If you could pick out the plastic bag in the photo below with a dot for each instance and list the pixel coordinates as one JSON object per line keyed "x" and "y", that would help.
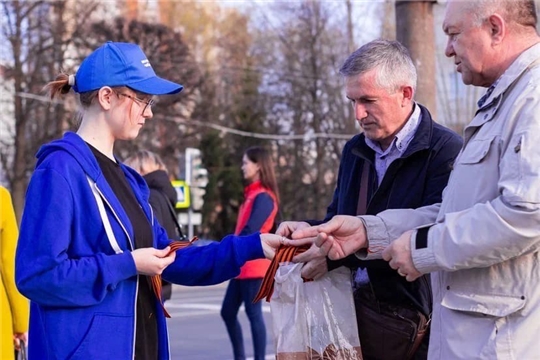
{"x": 314, "y": 320}
{"x": 21, "y": 353}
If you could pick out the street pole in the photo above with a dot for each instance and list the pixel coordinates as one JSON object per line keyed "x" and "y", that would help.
{"x": 188, "y": 183}
{"x": 415, "y": 29}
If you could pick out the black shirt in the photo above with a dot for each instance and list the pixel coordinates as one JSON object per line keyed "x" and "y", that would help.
{"x": 146, "y": 342}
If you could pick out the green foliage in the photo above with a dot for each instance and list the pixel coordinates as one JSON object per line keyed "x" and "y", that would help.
{"x": 222, "y": 156}
{"x": 224, "y": 189}
{"x": 229, "y": 96}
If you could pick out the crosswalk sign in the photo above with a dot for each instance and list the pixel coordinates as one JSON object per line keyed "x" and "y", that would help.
{"x": 182, "y": 192}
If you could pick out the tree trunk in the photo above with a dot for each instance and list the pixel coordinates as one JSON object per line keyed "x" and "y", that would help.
{"x": 389, "y": 23}
{"x": 350, "y": 126}
{"x": 415, "y": 30}
{"x": 18, "y": 180}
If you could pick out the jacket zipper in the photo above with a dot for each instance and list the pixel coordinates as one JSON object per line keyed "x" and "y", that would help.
{"x": 166, "y": 330}
{"x": 137, "y": 285}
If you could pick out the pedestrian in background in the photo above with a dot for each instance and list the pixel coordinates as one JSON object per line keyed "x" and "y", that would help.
{"x": 14, "y": 307}
{"x": 162, "y": 197}
{"x": 89, "y": 246}
{"x": 257, "y": 214}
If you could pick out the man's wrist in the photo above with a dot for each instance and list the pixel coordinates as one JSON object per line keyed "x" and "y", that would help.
{"x": 421, "y": 241}
{"x": 375, "y": 235}
{"x": 422, "y": 253}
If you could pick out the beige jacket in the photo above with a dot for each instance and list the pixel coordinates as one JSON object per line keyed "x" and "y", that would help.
{"x": 483, "y": 249}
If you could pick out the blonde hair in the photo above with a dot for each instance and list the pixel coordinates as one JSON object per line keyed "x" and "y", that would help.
{"x": 145, "y": 162}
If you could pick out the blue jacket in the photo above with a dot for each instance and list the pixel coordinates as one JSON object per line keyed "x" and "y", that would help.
{"x": 416, "y": 179}
{"x": 83, "y": 292}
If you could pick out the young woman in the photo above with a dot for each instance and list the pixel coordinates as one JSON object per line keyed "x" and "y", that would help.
{"x": 257, "y": 214}
{"x": 89, "y": 241}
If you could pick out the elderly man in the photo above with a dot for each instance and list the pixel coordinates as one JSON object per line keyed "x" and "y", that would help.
{"x": 482, "y": 244}
{"x": 401, "y": 160}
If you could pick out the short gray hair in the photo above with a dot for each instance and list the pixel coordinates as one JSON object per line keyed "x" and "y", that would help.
{"x": 145, "y": 162}
{"x": 521, "y": 12}
{"x": 391, "y": 58}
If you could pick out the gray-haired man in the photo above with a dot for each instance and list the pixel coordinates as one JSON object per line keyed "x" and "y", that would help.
{"x": 401, "y": 160}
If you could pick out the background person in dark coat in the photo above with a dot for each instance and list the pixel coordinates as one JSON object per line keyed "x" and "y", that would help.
{"x": 153, "y": 170}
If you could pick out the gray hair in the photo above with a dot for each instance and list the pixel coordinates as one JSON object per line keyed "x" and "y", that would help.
{"x": 145, "y": 162}
{"x": 520, "y": 12}
{"x": 391, "y": 58}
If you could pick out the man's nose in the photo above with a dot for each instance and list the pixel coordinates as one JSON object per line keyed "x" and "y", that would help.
{"x": 359, "y": 111}
{"x": 449, "y": 49}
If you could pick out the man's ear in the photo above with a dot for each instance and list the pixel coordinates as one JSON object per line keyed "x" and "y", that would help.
{"x": 408, "y": 94}
{"x": 104, "y": 97}
{"x": 497, "y": 28}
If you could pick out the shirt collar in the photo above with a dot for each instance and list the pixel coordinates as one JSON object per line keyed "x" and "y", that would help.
{"x": 515, "y": 70}
{"x": 403, "y": 137}
{"x": 484, "y": 98}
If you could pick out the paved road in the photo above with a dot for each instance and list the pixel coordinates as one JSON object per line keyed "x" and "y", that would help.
{"x": 196, "y": 330}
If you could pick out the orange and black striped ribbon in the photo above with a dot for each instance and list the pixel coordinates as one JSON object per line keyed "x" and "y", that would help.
{"x": 156, "y": 279}
{"x": 284, "y": 253}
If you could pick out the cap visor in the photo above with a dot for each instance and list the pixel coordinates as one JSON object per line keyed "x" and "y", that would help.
{"x": 156, "y": 86}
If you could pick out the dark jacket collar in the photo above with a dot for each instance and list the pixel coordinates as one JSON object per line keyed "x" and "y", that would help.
{"x": 159, "y": 180}
{"x": 420, "y": 141}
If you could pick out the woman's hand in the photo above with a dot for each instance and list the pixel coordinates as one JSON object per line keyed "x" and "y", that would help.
{"x": 150, "y": 261}
{"x": 17, "y": 337}
{"x": 272, "y": 242}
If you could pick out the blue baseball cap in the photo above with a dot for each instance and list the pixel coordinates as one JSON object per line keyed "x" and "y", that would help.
{"x": 121, "y": 64}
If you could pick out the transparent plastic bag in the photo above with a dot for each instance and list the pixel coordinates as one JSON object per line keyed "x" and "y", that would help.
{"x": 21, "y": 353}
{"x": 316, "y": 319}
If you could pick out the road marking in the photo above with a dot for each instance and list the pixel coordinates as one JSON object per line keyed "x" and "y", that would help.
{"x": 207, "y": 308}
{"x": 176, "y": 315}
{"x": 187, "y": 297}
{"x": 193, "y": 306}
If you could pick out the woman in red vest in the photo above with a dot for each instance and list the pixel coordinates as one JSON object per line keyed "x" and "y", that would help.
{"x": 257, "y": 214}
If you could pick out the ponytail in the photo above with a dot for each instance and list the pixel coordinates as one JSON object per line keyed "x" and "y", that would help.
{"x": 60, "y": 86}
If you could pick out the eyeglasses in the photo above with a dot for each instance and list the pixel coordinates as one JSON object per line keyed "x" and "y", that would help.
{"x": 147, "y": 103}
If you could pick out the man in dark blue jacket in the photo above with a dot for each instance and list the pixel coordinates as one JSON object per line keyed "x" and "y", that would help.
{"x": 402, "y": 159}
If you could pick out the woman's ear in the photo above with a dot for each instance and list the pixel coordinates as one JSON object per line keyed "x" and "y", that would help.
{"x": 105, "y": 97}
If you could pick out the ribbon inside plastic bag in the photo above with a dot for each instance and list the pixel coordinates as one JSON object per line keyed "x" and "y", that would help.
{"x": 316, "y": 319}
